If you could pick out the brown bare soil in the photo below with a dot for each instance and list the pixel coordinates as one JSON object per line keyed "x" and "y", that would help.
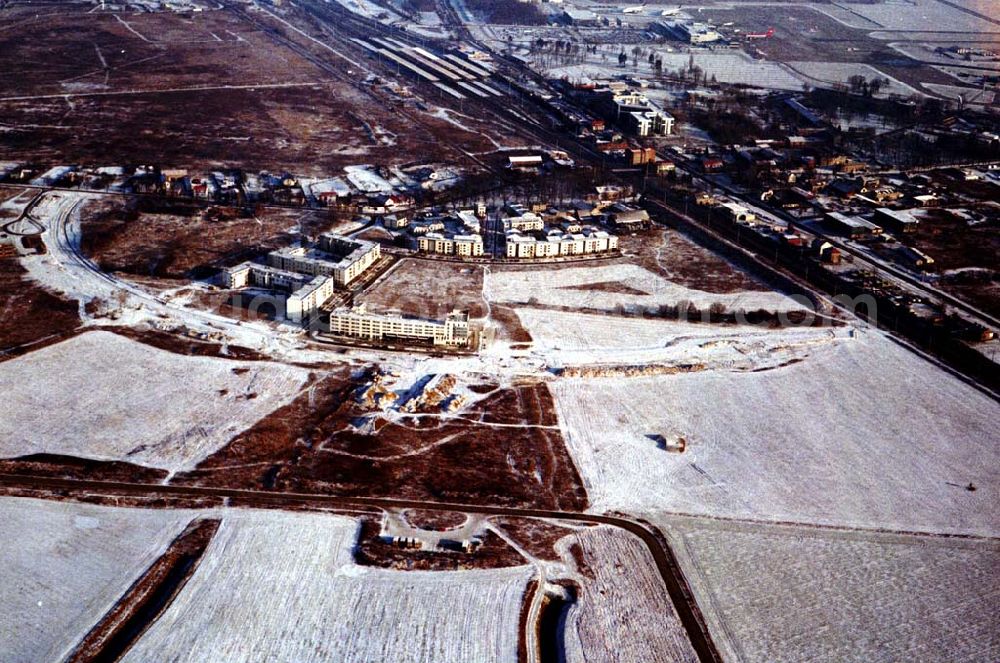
{"x": 956, "y": 246}
{"x": 312, "y": 445}
{"x": 372, "y": 550}
{"x": 522, "y": 629}
{"x": 30, "y": 316}
{"x": 510, "y": 327}
{"x": 429, "y": 289}
{"x": 139, "y": 502}
{"x": 437, "y": 521}
{"x": 180, "y": 239}
{"x": 982, "y": 290}
{"x": 166, "y": 89}
{"x": 678, "y": 258}
{"x": 538, "y": 537}
{"x": 185, "y": 345}
{"x": 608, "y": 286}
{"x": 6, "y": 193}
{"x": 147, "y": 597}
{"x": 953, "y": 244}
{"x": 71, "y": 467}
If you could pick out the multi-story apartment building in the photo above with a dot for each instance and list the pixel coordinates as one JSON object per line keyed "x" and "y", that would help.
{"x": 357, "y": 322}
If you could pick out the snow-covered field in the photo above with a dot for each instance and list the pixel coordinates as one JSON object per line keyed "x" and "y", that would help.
{"x": 727, "y": 67}
{"x": 826, "y": 74}
{"x": 793, "y": 594}
{"x": 370, "y": 10}
{"x": 567, "y": 287}
{"x": 623, "y": 612}
{"x": 100, "y": 395}
{"x": 65, "y": 565}
{"x": 860, "y": 432}
{"x": 927, "y": 53}
{"x": 282, "y": 587}
{"x": 577, "y": 339}
{"x": 970, "y": 94}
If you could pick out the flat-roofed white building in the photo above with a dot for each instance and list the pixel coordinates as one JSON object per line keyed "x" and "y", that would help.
{"x": 739, "y": 212}
{"x": 305, "y": 294}
{"x": 854, "y": 227}
{"x": 557, "y": 244}
{"x": 458, "y": 245}
{"x": 357, "y": 322}
{"x": 524, "y": 162}
{"x": 634, "y": 111}
{"x": 342, "y": 258}
{"x": 523, "y": 222}
{"x": 305, "y": 301}
{"x": 469, "y": 220}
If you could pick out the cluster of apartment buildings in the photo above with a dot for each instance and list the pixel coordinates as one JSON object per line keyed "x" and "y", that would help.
{"x": 306, "y": 277}
{"x": 522, "y": 232}
{"x": 529, "y": 235}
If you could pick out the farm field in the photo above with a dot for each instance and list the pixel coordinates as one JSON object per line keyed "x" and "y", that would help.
{"x": 622, "y": 610}
{"x": 858, "y": 432}
{"x": 283, "y": 587}
{"x": 970, "y": 94}
{"x": 65, "y": 565}
{"x": 31, "y": 314}
{"x": 794, "y": 594}
{"x": 682, "y": 261}
{"x": 102, "y": 396}
{"x": 497, "y": 445}
{"x": 826, "y": 43}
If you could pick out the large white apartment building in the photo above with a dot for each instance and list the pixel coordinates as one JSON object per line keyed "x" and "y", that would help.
{"x": 636, "y": 112}
{"x": 304, "y": 293}
{"x": 305, "y": 301}
{"x": 357, "y": 322}
{"x": 557, "y": 243}
{"x": 523, "y": 222}
{"x": 342, "y": 258}
{"x": 457, "y": 245}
